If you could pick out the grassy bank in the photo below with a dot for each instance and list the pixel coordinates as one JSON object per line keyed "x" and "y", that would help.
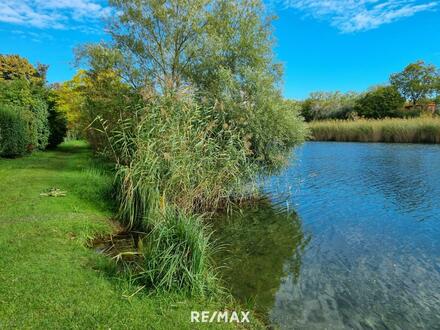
{"x": 415, "y": 130}
{"x": 49, "y": 278}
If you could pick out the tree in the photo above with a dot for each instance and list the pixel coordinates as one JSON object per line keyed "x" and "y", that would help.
{"x": 220, "y": 51}
{"x": 70, "y": 100}
{"x": 16, "y": 67}
{"x": 416, "y": 81}
{"x": 326, "y": 105}
{"x": 23, "y": 87}
{"x": 381, "y": 102}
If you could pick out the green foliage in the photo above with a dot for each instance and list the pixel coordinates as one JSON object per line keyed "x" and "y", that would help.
{"x": 381, "y": 102}
{"x": 417, "y": 81}
{"x": 219, "y": 51}
{"x": 416, "y": 130}
{"x": 328, "y": 105}
{"x": 189, "y": 107}
{"x": 69, "y": 98}
{"x": 100, "y": 91}
{"x": 173, "y": 153}
{"x": 39, "y": 124}
{"x": 14, "y": 138}
{"x": 176, "y": 256}
{"x": 30, "y": 100}
{"x": 57, "y": 127}
{"x": 14, "y": 67}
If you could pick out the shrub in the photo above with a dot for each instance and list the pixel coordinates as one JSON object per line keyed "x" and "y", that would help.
{"x": 29, "y": 101}
{"x": 190, "y": 131}
{"x": 57, "y": 127}
{"x": 14, "y": 138}
{"x": 382, "y": 102}
{"x": 39, "y": 124}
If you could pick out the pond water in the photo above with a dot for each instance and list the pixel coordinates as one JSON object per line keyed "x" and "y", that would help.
{"x": 360, "y": 248}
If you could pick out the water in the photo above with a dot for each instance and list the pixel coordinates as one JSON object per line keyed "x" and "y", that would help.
{"x": 363, "y": 250}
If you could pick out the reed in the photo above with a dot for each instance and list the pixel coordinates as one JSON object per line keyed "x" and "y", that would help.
{"x": 178, "y": 162}
{"x": 174, "y": 165}
{"x": 177, "y": 156}
{"x": 396, "y": 130}
{"x": 176, "y": 256}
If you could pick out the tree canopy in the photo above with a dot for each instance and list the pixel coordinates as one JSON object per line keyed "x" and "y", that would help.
{"x": 380, "y": 102}
{"x": 219, "y": 51}
{"x": 417, "y": 81}
{"x": 16, "y": 67}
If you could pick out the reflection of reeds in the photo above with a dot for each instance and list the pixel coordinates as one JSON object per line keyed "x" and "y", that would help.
{"x": 260, "y": 246}
{"x": 415, "y": 130}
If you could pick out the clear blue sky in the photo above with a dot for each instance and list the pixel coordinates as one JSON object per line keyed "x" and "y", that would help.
{"x": 324, "y": 44}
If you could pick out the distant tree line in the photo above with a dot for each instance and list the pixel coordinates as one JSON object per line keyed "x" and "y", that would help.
{"x": 416, "y": 86}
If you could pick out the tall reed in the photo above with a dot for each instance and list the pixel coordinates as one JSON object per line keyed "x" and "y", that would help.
{"x": 178, "y": 161}
{"x": 174, "y": 161}
{"x": 176, "y": 155}
{"x": 176, "y": 256}
{"x": 414, "y": 130}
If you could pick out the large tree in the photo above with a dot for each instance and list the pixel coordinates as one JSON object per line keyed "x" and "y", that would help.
{"x": 17, "y": 67}
{"x": 218, "y": 50}
{"x": 417, "y": 81}
{"x": 175, "y": 42}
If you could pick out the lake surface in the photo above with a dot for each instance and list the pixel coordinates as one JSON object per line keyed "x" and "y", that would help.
{"x": 360, "y": 248}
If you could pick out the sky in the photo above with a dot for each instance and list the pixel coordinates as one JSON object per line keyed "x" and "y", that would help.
{"x": 325, "y": 45}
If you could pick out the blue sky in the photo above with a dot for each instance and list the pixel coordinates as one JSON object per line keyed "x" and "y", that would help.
{"x": 324, "y": 44}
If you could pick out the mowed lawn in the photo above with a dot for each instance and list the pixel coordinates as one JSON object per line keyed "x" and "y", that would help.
{"x": 49, "y": 278}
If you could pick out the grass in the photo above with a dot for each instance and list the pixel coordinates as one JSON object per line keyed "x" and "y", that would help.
{"x": 49, "y": 279}
{"x": 414, "y": 130}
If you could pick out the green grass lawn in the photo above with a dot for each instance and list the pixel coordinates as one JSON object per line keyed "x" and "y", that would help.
{"x": 49, "y": 279}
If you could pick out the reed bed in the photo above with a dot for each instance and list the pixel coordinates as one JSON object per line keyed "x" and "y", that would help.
{"x": 396, "y": 130}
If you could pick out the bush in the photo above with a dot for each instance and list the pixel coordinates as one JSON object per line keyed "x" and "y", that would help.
{"x": 39, "y": 124}
{"x": 57, "y": 127}
{"x": 29, "y": 101}
{"x": 382, "y": 102}
{"x": 14, "y": 138}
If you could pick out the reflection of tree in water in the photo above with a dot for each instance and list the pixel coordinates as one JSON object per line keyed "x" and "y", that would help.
{"x": 257, "y": 245}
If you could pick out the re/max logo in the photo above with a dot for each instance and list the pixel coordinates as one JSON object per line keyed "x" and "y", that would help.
{"x": 217, "y": 316}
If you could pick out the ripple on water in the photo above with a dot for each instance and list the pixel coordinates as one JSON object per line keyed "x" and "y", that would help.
{"x": 368, "y": 228}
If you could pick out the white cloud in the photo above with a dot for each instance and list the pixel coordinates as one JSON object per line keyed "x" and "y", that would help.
{"x": 54, "y": 14}
{"x": 361, "y": 15}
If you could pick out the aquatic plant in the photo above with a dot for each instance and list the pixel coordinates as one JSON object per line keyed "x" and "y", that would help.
{"x": 176, "y": 256}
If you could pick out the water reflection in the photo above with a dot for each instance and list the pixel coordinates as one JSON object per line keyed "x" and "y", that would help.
{"x": 372, "y": 258}
{"x": 261, "y": 245}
